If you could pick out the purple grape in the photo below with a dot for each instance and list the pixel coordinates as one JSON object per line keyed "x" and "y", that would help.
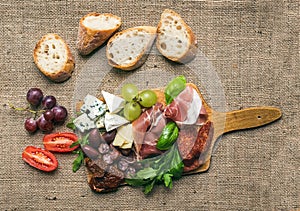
{"x": 30, "y": 125}
{"x": 60, "y": 113}
{"x": 44, "y": 125}
{"x": 48, "y": 115}
{"x": 49, "y": 102}
{"x": 34, "y": 96}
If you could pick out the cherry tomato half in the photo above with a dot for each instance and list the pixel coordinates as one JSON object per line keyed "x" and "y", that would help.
{"x": 60, "y": 142}
{"x": 40, "y": 158}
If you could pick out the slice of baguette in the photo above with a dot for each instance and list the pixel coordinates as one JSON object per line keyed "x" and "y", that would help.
{"x": 53, "y": 58}
{"x": 175, "y": 39}
{"x": 94, "y": 29}
{"x": 128, "y": 49}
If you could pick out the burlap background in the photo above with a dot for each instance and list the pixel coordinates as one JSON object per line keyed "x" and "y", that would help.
{"x": 254, "y": 47}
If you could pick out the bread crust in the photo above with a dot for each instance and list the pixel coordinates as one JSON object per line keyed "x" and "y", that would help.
{"x": 192, "y": 50}
{"x": 59, "y": 75}
{"x": 90, "y": 39}
{"x": 138, "y": 61}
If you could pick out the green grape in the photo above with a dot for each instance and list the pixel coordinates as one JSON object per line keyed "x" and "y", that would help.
{"x": 132, "y": 111}
{"x": 129, "y": 91}
{"x": 147, "y": 98}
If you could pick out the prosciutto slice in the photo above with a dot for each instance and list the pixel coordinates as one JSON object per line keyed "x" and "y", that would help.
{"x": 147, "y": 129}
{"x": 185, "y": 108}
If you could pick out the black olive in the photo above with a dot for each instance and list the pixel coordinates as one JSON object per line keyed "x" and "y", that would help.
{"x": 125, "y": 152}
{"x": 109, "y": 136}
{"x": 90, "y": 152}
{"x": 95, "y": 139}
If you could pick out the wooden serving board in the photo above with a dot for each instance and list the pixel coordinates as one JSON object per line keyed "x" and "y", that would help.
{"x": 225, "y": 122}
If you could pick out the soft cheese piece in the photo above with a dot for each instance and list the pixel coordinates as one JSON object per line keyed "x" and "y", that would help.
{"x": 84, "y": 123}
{"x": 93, "y": 107}
{"x": 124, "y": 137}
{"x": 113, "y": 102}
{"x": 113, "y": 121}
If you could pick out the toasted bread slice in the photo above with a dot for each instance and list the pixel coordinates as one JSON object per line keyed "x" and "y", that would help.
{"x": 128, "y": 49}
{"x": 175, "y": 39}
{"x": 53, "y": 58}
{"x": 94, "y": 29}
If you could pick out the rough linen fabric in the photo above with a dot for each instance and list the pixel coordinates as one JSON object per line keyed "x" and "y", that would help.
{"x": 253, "y": 47}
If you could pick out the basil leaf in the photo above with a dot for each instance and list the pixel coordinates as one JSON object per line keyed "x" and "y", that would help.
{"x": 174, "y": 87}
{"x": 168, "y": 136}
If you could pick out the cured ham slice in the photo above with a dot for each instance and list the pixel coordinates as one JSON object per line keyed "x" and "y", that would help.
{"x": 178, "y": 109}
{"x": 185, "y": 108}
{"x": 147, "y": 129}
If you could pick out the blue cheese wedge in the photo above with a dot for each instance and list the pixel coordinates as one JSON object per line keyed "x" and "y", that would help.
{"x": 124, "y": 137}
{"x": 113, "y": 121}
{"x": 93, "y": 107}
{"x": 100, "y": 122}
{"x": 113, "y": 102}
{"x": 84, "y": 123}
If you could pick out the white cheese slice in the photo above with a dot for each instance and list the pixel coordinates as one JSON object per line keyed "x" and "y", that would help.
{"x": 83, "y": 123}
{"x": 93, "y": 107}
{"x": 194, "y": 109}
{"x": 113, "y": 121}
{"x": 113, "y": 102}
{"x": 124, "y": 137}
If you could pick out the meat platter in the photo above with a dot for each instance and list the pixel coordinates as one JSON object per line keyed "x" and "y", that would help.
{"x": 139, "y": 159}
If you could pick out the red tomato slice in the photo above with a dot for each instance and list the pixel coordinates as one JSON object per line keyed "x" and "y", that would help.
{"x": 60, "y": 142}
{"x": 40, "y": 158}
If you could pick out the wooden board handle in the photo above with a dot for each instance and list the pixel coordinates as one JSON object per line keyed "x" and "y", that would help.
{"x": 250, "y": 117}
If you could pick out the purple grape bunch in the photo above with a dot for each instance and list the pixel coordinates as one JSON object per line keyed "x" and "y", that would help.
{"x": 52, "y": 113}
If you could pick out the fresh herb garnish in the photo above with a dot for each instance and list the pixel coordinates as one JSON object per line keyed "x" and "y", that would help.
{"x": 160, "y": 169}
{"x": 175, "y": 86}
{"x": 71, "y": 124}
{"x": 168, "y": 136}
{"x": 79, "y": 160}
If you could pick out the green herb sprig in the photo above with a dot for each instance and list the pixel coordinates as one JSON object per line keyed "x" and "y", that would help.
{"x": 160, "y": 169}
{"x": 77, "y": 163}
{"x": 173, "y": 88}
